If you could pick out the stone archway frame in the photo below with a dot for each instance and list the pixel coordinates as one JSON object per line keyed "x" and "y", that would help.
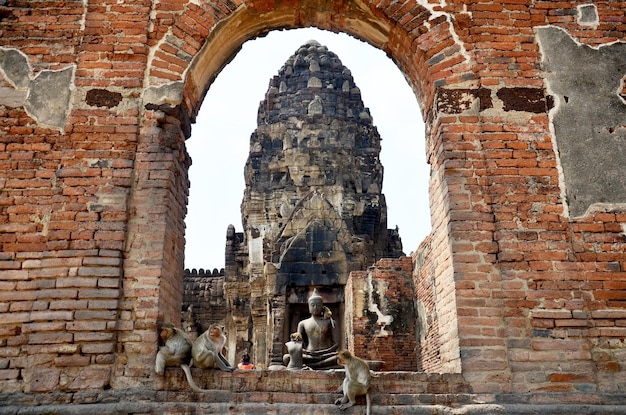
{"x": 417, "y": 36}
{"x": 188, "y": 54}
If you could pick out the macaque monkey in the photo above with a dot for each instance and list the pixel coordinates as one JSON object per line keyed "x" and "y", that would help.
{"x": 327, "y": 314}
{"x": 207, "y": 350}
{"x": 356, "y": 382}
{"x": 178, "y": 350}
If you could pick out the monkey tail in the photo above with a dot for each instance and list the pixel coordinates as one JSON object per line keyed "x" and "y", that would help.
{"x": 192, "y": 384}
{"x": 368, "y": 401}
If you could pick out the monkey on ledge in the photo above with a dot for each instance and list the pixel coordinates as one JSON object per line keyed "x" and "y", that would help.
{"x": 204, "y": 353}
{"x": 356, "y": 382}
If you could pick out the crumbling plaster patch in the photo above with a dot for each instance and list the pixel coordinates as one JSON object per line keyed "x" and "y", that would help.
{"x": 15, "y": 68}
{"x": 382, "y": 320}
{"x": 171, "y": 94}
{"x": 12, "y": 98}
{"x": 587, "y": 15}
{"x": 589, "y": 118}
{"x": 83, "y": 17}
{"x": 46, "y": 97}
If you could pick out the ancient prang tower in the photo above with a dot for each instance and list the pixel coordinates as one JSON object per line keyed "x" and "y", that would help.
{"x": 313, "y": 208}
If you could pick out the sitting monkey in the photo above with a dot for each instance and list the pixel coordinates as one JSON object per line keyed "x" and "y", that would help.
{"x": 178, "y": 350}
{"x": 356, "y": 382}
{"x": 293, "y": 358}
{"x": 207, "y": 350}
{"x": 328, "y": 315}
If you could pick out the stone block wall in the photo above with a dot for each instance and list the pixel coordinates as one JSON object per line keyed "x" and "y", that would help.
{"x": 381, "y": 319}
{"x": 203, "y": 299}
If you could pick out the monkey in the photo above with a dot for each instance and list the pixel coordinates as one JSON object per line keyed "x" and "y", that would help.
{"x": 356, "y": 382}
{"x": 293, "y": 359}
{"x": 178, "y": 351}
{"x": 207, "y": 350}
{"x": 295, "y": 337}
{"x": 327, "y": 314}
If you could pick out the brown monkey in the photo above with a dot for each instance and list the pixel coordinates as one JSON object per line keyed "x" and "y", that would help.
{"x": 356, "y": 382}
{"x": 176, "y": 351}
{"x": 207, "y": 350}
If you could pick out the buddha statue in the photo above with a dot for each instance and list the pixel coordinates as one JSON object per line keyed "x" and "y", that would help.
{"x": 319, "y": 336}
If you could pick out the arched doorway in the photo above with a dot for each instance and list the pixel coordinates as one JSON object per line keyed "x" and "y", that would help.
{"x": 189, "y": 57}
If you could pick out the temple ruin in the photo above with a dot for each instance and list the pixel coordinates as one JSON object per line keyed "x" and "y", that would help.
{"x": 519, "y": 291}
{"x": 313, "y": 209}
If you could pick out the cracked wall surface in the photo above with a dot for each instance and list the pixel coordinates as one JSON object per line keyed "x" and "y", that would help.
{"x": 46, "y": 97}
{"x": 590, "y": 118}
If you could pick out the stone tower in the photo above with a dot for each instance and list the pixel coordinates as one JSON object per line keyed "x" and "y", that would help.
{"x": 313, "y": 208}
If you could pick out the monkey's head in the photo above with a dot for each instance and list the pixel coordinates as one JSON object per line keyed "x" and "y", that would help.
{"x": 343, "y": 357}
{"x": 167, "y": 331}
{"x": 295, "y": 337}
{"x": 326, "y": 313}
{"x": 216, "y": 330}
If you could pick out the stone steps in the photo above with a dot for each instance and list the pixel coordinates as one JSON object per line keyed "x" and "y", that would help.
{"x": 266, "y": 392}
{"x": 142, "y": 402}
{"x": 313, "y": 381}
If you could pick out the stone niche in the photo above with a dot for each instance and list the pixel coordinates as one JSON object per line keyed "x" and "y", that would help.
{"x": 297, "y": 308}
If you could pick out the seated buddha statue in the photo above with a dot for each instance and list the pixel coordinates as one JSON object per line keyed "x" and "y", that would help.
{"x": 319, "y": 336}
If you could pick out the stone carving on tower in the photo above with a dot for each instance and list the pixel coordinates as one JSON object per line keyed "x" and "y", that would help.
{"x": 313, "y": 208}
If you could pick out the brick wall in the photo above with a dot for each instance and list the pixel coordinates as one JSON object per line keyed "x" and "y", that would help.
{"x": 204, "y": 293}
{"x": 381, "y": 318}
{"x": 528, "y": 297}
{"x": 429, "y": 336}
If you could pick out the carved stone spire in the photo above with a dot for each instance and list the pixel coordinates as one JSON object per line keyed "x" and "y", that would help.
{"x": 312, "y": 209}
{"x": 315, "y": 135}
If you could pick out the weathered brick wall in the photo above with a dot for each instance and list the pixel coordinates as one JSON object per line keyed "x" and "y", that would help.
{"x": 381, "y": 317}
{"x": 529, "y": 283}
{"x": 428, "y": 323}
{"x": 204, "y": 293}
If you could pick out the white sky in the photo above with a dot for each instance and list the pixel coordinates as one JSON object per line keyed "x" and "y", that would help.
{"x": 220, "y": 139}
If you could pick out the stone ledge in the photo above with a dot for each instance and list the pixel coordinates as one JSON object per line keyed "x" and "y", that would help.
{"x": 314, "y": 381}
{"x": 307, "y": 393}
{"x": 304, "y": 409}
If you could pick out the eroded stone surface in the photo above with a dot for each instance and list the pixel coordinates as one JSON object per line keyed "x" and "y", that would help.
{"x": 103, "y": 98}
{"x": 49, "y": 97}
{"x": 590, "y": 119}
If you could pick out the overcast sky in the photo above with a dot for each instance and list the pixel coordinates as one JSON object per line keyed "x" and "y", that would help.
{"x": 220, "y": 139}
